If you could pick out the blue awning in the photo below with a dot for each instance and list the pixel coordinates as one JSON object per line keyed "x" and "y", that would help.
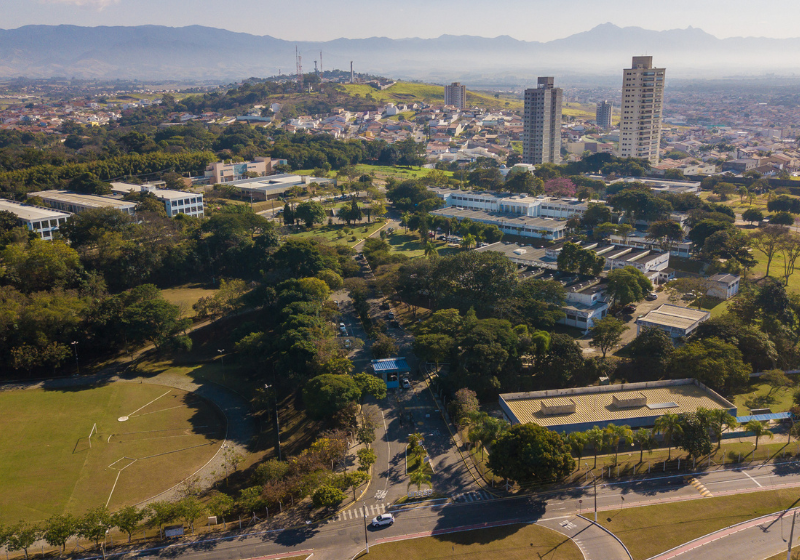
{"x": 390, "y": 365}
{"x": 764, "y": 417}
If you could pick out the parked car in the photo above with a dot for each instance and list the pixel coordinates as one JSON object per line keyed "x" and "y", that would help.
{"x": 394, "y": 324}
{"x": 347, "y": 343}
{"x": 406, "y": 383}
{"x": 630, "y": 308}
{"x": 342, "y": 329}
{"x": 652, "y": 296}
{"x": 383, "y": 519}
{"x": 390, "y": 315}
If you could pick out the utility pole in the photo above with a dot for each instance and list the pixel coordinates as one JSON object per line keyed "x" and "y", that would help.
{"x": 74, "y": 344}
{"x": 277, "y": 419}
{"x": 791, "y": 537}
{"x": 366, "y": 540}
{"x": 594, "y": 480}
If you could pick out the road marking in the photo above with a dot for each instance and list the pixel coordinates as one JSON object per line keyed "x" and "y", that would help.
{"x": 701, "y": 488}
{"x": 753, "y": 479}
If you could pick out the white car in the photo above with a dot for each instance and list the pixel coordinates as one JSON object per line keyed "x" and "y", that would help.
{"x": 383, "y": 519}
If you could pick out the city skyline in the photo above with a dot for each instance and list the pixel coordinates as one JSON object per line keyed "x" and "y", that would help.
{"x": 311, "y": 19}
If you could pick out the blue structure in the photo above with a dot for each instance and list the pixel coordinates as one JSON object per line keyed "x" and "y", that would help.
{"x": 390, "y": 369}
{"x": 764, "y": 417}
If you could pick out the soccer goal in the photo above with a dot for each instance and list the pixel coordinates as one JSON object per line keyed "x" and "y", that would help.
{"x": 93, "y": 432}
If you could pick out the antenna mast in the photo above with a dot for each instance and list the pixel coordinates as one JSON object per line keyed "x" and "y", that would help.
{"x": 299, "y": 69}
{"x": 320, "y": 63}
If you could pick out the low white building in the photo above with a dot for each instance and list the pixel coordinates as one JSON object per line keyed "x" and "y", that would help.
{"x": 43, "y": 221}
{"x": 674, "y": 320}
{"x": 175, "y": 202}
{"x": 640, "y": 240}
{"x": 723, "y": 286}
{"x": 531, "y": 206}
{"x": 76, "y": 203}
{"x": 586, "y": 303}
{"x": 521, "y": 225}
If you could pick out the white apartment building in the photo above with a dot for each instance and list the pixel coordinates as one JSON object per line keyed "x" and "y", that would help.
{"x": 75, "y": 203}
{"x": 541, "y": 136}
{"x": 175, "y": 202}
{"x": 456, "y": 95}
{"x": 603, "y": 114}
{"x": 41, "y": 220}
{"x": 640, "y": 114}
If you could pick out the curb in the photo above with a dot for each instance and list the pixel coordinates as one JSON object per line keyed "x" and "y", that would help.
{"x": 628, "y": 552}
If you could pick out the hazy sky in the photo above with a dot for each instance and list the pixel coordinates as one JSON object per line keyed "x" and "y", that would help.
{"x": 532, "y": 20}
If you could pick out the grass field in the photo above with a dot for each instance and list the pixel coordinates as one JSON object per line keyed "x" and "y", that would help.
{"x": 408, "y": 92}
{"x": 782, "y": 398}
{"x": 186, "y": 296}
{"x": 580, "y": 110}
{"x": 49, "y": 468}
{"x": 336, "y": 233}
{"x": 507, "y": 543}
{"x": 412, "y": 246}
{"x": 650, "y": 530}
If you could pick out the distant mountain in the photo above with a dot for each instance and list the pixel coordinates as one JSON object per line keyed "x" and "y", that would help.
{"x": 198, "y": 53}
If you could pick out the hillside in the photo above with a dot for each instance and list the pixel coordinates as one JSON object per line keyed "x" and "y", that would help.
{"x": 411, "y": 92}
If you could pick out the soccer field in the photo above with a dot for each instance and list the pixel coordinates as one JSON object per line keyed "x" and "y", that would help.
{"x": 49, "y": 467}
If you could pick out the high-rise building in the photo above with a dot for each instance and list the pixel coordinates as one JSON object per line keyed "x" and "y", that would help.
{"x": 640, "y": 115}
{"x": 541, "y": 135}
{"x": 603, "y": 116}
{"x": 456, "y": 95}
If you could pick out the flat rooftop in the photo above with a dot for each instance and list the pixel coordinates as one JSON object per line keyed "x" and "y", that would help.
{"x": 89, "y": 200}
{"x": 520, "y": 254}
{"x": 613, "y": 403}
{"x": 512, "y": 220}
{"x": 26, "y": 212}
{"x": 165, "y": 194}
{"x": 670, "y": 315}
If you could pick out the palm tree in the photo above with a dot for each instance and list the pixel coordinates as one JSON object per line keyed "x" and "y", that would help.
{"x": 405, "y": 218}
{"x": 668, "y": 425}
{"x": 720, "y": 420}
{"x": 595, "y": 438}
{"x": 418, "y": 478}
{"x": 577, "y": 441}
{"x": 644, "y": 438}
{"x": 430, "y": 250}
{"x": 468, "y": 241}
{"x": 616, "y": 435}
{"x": 758, "y": 430}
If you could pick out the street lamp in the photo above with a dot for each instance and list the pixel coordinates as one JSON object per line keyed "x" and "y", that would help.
{"x": 221, "y": 351}
{"x": 74, "y": 345}
{"x": 277, "y": 419}
{"x": 594, "y": 481}
{"x": 366, "y": 540}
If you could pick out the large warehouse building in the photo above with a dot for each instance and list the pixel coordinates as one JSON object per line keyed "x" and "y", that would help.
{"x": 637, "y": 405}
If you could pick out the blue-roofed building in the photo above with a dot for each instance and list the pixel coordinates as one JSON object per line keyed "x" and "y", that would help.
{"x": 390, "y": 369}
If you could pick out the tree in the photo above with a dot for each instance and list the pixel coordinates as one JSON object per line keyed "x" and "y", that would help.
{"x": 559, "y": 186}
{"x": 419, "y": 478}
{"x": 370, "y": 385}
{"x": 645, "y": 440}
{"x": 383, "y": 347}
{"x": 464, "y": 403}
{"x": 758, "y": 429}
{"x": 752, "y": 215}
{"x": 94, "y": 524}
{"x": 669, "y": 426}
{"x": 651, "y": 351}
{"x": 767, "y": 241}
{"x": 161, "y": 513}
{"x": 713, "y": 362}
{"x": 594, "y": 437}
{"x": 596, "y": 214}
{"x": 573, "y": 258}
{"x": 694, "y": 434}
{"x": 616, "y": 436}
{"x": 777, "y": 380}
{"x": 719, "y": 420}
{"x": 59, "y": 529}
{"x": 781, "y": 219}
{"x": 606, "y": 333}
{"x": 190, "y": 508}
{"x": 88, "y": 183}
{"x": 327, "y": 394}
{"x": 221, "y": 505}
{"x": 529, "y": 451}
{"x": 789, "y": 249}
{"x": 366, "y": 458}
{"x": 22, "y": 536}
{"x": 485, "y": 429}
{"x": 42, "y": 265}
{"x": 627, "y": 285}
{"x": 310, "y": 212}
{"x": 270, "y": 470}
{"x": 128, "y": 518}
{"x": 433, "y": 347}
{"x": 577, "y": 442}
{"x": 667, "y": 232}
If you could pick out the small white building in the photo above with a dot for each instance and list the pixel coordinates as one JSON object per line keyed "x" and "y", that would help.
{"x": 43, "y": 221}
{"x": 175, "y": 202}
{"x": 724, "y": 286}
{"x": 674, "y": 320}
{"x": 586, "y": 303}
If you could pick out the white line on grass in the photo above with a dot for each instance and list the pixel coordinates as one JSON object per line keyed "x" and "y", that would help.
{"x": 148, "y": 404}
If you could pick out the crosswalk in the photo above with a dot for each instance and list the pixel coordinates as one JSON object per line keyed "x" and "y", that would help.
{"x": 359, "y": 513}
{"x": 471, "y": 496}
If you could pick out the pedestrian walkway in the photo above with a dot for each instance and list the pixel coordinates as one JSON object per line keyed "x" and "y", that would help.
{"x": 359, "y": 513}
{"x": 471, "y": 496}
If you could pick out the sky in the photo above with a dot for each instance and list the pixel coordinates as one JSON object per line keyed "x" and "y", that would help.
{"x": 321, "y": 20}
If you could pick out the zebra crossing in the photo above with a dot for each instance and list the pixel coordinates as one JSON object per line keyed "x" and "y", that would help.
{"x": 359, "y": 513}
{"x": 471, "y": 496}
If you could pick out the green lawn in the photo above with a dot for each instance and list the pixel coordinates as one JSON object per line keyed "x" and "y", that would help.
{"x": 186, "y": 296}
{"x": 410, "y": 244}
{"x": 775, "y": 270}
{"x": 782, "y": 398}
{"x": 408, "y": 92}
{"x": 337, "y": 234}
{"x": 651, "y": 530}
{"x": 511, "y": 542}
{"x": 49, "y": 468}
{"x": 582, "y": 110}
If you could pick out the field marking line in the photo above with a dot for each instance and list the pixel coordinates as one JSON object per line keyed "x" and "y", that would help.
{"x": 162, "y": 410}
{"x": 148, "y": 404}
{"x": 751, "y": 478}
{"x": 112, "y": 488}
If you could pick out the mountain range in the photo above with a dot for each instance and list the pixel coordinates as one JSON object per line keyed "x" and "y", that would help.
{"x": 197, "y": 53}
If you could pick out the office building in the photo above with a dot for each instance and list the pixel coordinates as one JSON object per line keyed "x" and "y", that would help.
{"x": 605, "y": 109}
{"x": 76, "y": 203}
{"x": 175, "y": 202}
{"x": 541, "y": 136}
{"x": 225, "y": 172}
{"x": 640, "y": 116}
{"x": 456, "y": 95}
{"x": 43, "y": 221}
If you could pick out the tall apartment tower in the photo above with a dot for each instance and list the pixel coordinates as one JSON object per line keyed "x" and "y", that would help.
{"x": 640, "y": 116}
{"x": 603, "y": 116}
{"x": 456, "y": 95}
{"x": 541, "y": 133}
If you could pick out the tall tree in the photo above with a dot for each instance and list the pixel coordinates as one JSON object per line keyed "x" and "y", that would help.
{"x": 594, "y": 437}
{"x": 669, "y": 426}
{"x": 530, "y": 452}
{"x": 627, "y": 285}
{"x": 645, "y": 440}
{"x": 606, "y": 333}
{"x": 759, "y": 430}
{"x": 768, "y": 241}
